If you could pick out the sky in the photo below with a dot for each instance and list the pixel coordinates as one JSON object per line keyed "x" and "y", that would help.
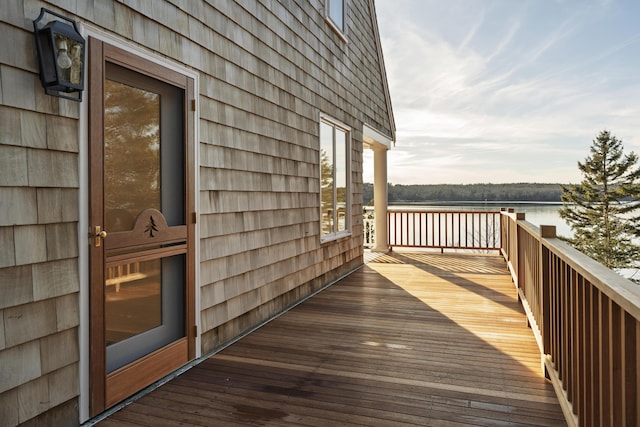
{"x": 507, "y": 91}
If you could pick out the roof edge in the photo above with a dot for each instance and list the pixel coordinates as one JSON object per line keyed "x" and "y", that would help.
{"x": 383, "y": 71}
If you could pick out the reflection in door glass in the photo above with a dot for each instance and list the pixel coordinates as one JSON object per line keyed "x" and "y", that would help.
{"x": 132, "y": 299}
{"x": 131, "y": 153}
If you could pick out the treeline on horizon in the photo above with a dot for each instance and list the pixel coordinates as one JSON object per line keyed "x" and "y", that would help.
{"x": 429, "y": 193}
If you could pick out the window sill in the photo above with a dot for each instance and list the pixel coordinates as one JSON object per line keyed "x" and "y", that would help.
{"x": 333, "y": 237}
{"x": 336, "y": 30}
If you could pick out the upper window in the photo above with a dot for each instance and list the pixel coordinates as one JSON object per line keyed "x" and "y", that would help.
{"x": 334, "y": 179}
{"x": 335, "y": 9}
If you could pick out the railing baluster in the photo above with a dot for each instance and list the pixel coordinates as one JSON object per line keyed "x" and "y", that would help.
{"x": 498, "y": 219}
{"x": 434, "y": 225}
{"x": 575, "y": 342}
{"x": 455, "y": 230}
{"x": 605, "y": 362}
{"x": 564, "y": 333}
{"x": 631, "y": 377}
{"x": 555, "y": 313}
{"x": 448, "y": 235}
{"x": 587, "y": 370}
{"x": 571, "y": 336}
{"x": 595, "y": 355}
{"x": 580, "y": 359}
{"x": 440, "y": 230}
{"x": 420, "y": 229}
{"x": 391, "y": 223}
{"x": 617, "y": 368}
{"x": 466, "y": 229}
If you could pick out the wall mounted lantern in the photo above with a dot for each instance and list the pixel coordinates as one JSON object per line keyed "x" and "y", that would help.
{"x": 60, "y": 50}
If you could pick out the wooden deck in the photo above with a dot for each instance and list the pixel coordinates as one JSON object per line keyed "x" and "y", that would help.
{"x": 409, "y": 339}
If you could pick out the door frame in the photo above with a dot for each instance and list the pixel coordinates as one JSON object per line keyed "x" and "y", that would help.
{"x": 88, "y": 399}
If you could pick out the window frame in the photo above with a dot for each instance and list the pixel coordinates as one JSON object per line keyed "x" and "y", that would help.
{"x": 338, "y": 28}
{"x": 335, "y": 233}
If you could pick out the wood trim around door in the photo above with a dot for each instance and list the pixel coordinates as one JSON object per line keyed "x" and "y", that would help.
{"x": 119, "y": 382}
{"x": 97, "y": 356}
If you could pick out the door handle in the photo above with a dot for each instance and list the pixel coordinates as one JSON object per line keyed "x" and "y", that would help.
{"x": 99, "y": 235}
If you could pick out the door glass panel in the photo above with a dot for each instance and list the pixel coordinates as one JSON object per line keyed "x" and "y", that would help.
{"x": 145, "y": 313}
{"x": 131, "y": 153}
{"x": 133, "y": 301}
{"x": 143, "y": 168}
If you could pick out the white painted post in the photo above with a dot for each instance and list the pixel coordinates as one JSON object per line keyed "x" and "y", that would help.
{"x": 380, "y": 199}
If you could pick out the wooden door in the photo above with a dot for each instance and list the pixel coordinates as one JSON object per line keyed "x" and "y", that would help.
{"x": 141, "y": 216}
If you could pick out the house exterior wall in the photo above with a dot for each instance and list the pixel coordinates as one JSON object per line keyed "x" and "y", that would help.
{"x": 267, "y": 69}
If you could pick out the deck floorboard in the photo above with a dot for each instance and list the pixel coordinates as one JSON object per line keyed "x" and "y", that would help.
{"x": 408, "y": 339}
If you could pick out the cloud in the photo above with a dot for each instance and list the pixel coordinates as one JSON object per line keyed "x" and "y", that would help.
{"x": 472, "y": 32}
{"x": 504, "y": 43}
{"x": 505, "y": 91}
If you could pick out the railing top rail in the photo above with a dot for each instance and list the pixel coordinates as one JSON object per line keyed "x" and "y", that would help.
{"x": 516, "y": 216}
{"x": 523, "y": 223}
{"x": 440, "y": 210}
{"x": 622, "y": 291}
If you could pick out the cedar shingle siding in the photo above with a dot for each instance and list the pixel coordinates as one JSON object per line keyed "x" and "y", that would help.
{"x": 267, "y": 69}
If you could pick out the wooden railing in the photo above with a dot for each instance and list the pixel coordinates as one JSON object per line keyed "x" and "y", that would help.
{"x": 472, "y": 230}
{"x": 369, "y": 224}
{"x": 585, "y": 319}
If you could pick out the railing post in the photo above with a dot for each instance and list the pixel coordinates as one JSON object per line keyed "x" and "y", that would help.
{"x": 517, "y": 252}
{"x": 546, "y": 232}
{"x": 504, "y": 234}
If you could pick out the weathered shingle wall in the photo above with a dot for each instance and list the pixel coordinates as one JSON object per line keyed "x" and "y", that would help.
{"x": 38, "y": 234}
{"x": 282, "y": 66}
{"x": 267, "y": 69}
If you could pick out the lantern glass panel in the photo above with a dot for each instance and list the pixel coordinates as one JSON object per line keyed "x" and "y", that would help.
{"x": 68, "y": 59}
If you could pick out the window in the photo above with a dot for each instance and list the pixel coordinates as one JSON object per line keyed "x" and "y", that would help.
{"x": 335, "y": 9}
{"x": 334, "y": 179}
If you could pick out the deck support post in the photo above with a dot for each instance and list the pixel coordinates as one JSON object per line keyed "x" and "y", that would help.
{"x": 379, "y": 144}
{"x": 380, "y": 197}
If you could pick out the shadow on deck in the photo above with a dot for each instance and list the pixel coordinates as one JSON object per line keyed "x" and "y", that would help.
{"x": 409, "y": 339}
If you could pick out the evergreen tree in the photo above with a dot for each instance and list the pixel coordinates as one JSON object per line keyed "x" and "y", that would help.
{"x": 602, "y": 209}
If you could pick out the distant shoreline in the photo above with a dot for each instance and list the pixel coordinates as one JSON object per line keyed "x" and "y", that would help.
{"x": 472, "y": 202}
{"x": 428, "y": 194}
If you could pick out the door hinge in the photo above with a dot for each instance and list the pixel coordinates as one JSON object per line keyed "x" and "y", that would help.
{"x": 193, "y": 105}
{"x": 195, "y": 330}
{"x": 194, "y": 218}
